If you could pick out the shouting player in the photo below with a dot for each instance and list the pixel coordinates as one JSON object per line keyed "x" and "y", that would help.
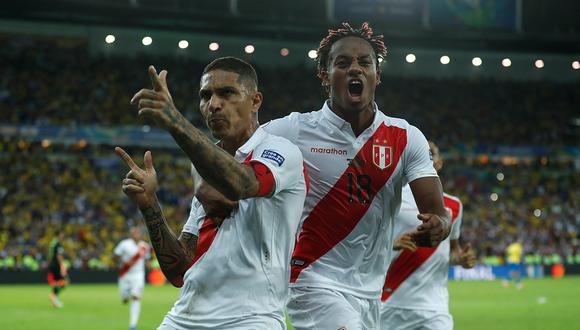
{"x": 234, "y": 276}
{"x": 358, "y": 160}
{"x": 131, "y": 254}
{"x": 415, "y": 294}
{"x": 57, "y": 272}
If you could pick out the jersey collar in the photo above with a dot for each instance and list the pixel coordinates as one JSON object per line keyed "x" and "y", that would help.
{"x": 334, "y": 119}
{"x": 250, "y": 145}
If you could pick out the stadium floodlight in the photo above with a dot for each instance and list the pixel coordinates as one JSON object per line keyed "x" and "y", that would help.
{"x": 506, "y": 62}
{"x": 444, "y": 59}
{"x": 312, "y": 53}
{"x": 476, "y": 61}
{"x": 493, "y": 197}
{"x": 110, "y": 39}
{"x": 249, "y": 49}
{"x": 500, "y": 176}
{"x": 214, "y": 46}
{"x": 537, "y": 213}
{"x": 183, "y": 44}
{"x": 576, "y": 65}
{"x": 410, "y": 58}
{"x": 539, "y": 64}
{"x": 46, "y": 143}
{"x": 284, "y": 51}
{"x": 146, "y": 41}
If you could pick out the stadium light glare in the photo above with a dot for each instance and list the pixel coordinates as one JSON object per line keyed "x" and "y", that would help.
{"x": 539, "y": 64}
{"x": 213, "y": 46}
{"x": 500, "y": 176}
{"x": 410, "y": 58}
{"x": 146, "y": 41}
{"x": 506, "y": 62}
{"x": 493, "y": 197}
{"x": 537, "y": 213}
{"x": 183, "y": 44}
{"x": 249, "y": 49}
{"x": 576, "y": 65}
{"x": 476, "y": 61}
{"x": 312, "y": 54}
{"x": 284, "y": 51}
{"x": 146, "y": 128}
{"x": 444, "y": 59}
{"x": 45, "y": 143}
{"x": 110, "y": 39}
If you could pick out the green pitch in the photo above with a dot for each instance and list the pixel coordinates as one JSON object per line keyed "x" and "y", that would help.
{"x": 542, "y": 304}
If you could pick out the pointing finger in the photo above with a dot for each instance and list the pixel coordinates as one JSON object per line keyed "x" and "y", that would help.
{"x": 148, "y": 160}
{"x": 163, "y": 78}
{"x": 126, "y": 158}
{"x": 155, "y": 81}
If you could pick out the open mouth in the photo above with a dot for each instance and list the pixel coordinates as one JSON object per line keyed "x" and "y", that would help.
{"x": 355, "y": 87}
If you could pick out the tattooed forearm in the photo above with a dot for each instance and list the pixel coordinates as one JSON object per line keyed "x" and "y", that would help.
{"x": 172, "y": 258}
{"x": 189, "y": 244}
{"x": 215, "y": 165}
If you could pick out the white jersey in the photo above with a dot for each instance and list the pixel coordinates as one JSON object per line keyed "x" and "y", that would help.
{"x": 418, "y": 280}
{"x": 242, "y": 269}
{"x": 132, "y": 255}
{"x": 346, "y": 237}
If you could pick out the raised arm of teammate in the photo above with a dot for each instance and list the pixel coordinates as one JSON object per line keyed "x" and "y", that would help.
{"x": 175, "y": 255}
{"x": 234, "y": 180}
{"x": 463, "y": 256}
{"x": 436, "y": 225}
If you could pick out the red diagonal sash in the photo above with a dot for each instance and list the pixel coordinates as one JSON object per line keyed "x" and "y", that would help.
{"x": 126, "y": 266}
{"x": 408, "y": 262}
{"x": 339, "y": 211}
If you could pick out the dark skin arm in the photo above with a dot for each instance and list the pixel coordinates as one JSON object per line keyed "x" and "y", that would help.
{"x": 464, "y": 256}
{"x": 436, "y": 225}
{"x": 174, "y": 255}
{"x": 216, "y": 166}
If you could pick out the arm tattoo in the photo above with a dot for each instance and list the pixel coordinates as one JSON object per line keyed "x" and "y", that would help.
{"x": 173, "y": 259}
{"x": 215, "y": 165}
{"x": 189, "y": 244}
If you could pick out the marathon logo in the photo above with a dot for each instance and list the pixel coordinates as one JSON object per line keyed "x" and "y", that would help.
{"x": 273, "y": 155}
{"x": 328, "y": 151}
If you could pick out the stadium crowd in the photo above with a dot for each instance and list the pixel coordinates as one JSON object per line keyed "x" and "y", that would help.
{"x": 78, "y": 188}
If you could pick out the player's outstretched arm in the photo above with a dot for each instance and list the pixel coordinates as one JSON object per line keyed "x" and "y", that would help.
{"x": 216, "y": 166}
{"x": 463, "y": 256}
{"x": 436, "y": 225}
{"x": 140, "y": 185}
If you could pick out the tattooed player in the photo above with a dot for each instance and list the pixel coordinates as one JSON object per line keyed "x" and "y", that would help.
{"x": 234, "y": 276}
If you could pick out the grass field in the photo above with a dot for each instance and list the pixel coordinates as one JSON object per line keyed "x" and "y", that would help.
{"x": 542, "y": 304}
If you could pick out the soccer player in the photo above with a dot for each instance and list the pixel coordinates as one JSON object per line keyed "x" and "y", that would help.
{"x": 234, "y": 276}
{"x": 131, "y": 254}
{"x": 57, "y": 272}
{"x": 358, "y": 160}
{"x": 415, "y": 293}
{"x": 514, "y": 253}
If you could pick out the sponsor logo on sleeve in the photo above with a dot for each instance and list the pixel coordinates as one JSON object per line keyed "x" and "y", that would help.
{"x": 274, "y": 156}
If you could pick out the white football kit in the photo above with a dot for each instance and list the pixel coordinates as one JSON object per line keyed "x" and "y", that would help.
{"x": 132, "y": 275}
{"x": 345, "y": 241}
{"x": 415, "y": 294}
{"x": 239, "y": 279}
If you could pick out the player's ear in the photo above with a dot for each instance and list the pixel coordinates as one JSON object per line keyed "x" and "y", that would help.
{"x": 257, "y": 101}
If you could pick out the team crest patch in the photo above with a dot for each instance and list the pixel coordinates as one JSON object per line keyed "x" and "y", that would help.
{"x": 382, "y": 154}
{"x": 273, "y": 155}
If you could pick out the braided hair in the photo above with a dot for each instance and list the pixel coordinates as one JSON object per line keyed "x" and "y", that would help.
{"x": 364, "y": 32}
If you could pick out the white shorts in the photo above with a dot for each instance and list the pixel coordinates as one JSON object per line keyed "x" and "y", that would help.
{"x": 131, "y": 286}
{"x": 322, "y": 309}
{"x": 415, "y": 319}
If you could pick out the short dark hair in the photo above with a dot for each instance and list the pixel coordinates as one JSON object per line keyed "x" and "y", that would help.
{"x": 235, "y": 65}
{"x": 364, "y": 32}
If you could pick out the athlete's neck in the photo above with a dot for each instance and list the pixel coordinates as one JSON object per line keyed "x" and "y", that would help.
{"x": 359, "y": 120}
{"x": 233, "y": 143}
